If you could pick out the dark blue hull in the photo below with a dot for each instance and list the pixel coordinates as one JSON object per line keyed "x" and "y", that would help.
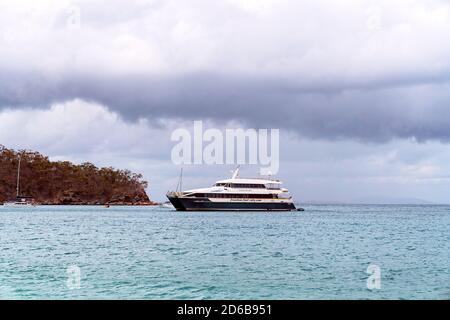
{"x": 204, "y": 204}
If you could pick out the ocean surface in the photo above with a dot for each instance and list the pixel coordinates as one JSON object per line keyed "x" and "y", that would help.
{"x": 77, "y": 252}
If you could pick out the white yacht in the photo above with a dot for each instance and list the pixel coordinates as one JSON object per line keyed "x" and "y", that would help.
{"x": 235, "y": 194}
{"x": 19, "y": 202}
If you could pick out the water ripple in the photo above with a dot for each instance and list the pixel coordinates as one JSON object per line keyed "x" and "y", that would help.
{"x": 153, "y": 253}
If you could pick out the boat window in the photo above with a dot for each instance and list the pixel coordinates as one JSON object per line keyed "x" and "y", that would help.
{"x": 235, "y": 195}
{"x": 247, "y": 185}
{"x": 242, "y": 185}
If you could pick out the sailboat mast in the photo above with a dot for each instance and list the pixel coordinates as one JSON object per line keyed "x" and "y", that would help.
{"x": 18, "y": 179}
{"x": 181, "y": 180}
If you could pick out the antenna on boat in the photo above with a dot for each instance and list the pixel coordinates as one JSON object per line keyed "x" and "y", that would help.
{"x": 180, "y": 181}
{"x": 235, "y": 173}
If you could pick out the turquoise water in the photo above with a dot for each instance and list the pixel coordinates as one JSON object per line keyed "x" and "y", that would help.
{"x": 156, "y": 253}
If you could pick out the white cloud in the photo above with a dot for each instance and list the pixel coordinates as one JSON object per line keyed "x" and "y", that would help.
{"x": 79, "y": 127}
{"x": 320, "y": 40}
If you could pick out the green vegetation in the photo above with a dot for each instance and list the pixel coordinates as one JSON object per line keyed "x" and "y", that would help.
{"x": 62, "y": 182}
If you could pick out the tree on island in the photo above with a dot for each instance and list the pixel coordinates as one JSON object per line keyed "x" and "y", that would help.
{"x": 63, "y": 182}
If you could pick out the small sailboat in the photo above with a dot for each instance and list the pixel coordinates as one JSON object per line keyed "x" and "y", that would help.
{"x": 20, "y": 200}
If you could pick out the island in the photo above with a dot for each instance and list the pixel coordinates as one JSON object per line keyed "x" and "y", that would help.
{"x": 64, "y": 183}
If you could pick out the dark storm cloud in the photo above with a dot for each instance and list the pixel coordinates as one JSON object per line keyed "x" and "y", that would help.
{"x": 323, "y": 69}
{"x": 370, "y": 112}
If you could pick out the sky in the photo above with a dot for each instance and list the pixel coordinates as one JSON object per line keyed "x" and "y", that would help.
{"x": 359, "y": 89}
